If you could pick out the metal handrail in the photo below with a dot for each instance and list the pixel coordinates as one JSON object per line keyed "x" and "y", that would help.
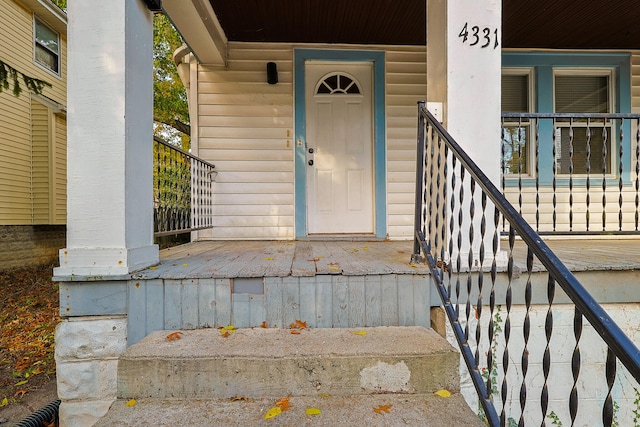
{"x": 621, "y": 346}
{"x": 183, "y": 193}
{"x": 594, "y": 158}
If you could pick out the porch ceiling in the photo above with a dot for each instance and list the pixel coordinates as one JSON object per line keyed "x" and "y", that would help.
{"x": 567, "y": 24}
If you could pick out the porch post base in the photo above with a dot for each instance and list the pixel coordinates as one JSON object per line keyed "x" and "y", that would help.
{"x": 105, "y": 261}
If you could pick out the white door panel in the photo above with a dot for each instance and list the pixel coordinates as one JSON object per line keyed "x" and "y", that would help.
{"x": 339, "y": 133}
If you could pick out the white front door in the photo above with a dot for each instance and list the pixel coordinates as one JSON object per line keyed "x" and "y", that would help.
{"x": 339, "y": 148}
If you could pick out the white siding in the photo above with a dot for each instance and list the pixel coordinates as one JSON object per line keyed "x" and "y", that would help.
{"x": 247, "y": 130}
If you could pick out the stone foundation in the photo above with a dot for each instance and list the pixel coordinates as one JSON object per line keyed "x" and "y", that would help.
{"x": 87, "y": 351}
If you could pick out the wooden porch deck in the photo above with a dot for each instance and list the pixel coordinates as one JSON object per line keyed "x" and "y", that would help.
{"x": 234, "y": 259}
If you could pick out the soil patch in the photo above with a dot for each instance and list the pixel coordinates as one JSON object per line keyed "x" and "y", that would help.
{"x": 28, "y": 318}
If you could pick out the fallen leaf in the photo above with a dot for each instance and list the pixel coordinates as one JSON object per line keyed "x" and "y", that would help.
{"x": 174, "y": 336}
{"x": 334, "y": 268}
{"x": 283, "y": 403}
{"x": 225, "y": 334}
{"x": 4, "y": 402}
{"x": 355, "y": 250}
{"x": 185, "y": 265}
{"x": 237, "y": 398}
{"x": 131, "y": 402}
{"x": 324, "y": 395}
{"x": 382, "y": 408}
{"x": 364, "y": 248}
{"x": 264, "y": 325}
{"x": 20, "y": 393}
{"x": 334, "y": 263}
{"x": 268, "y": 259}
{"x": 443, "y": 393}
{"x": 300, "y": 324}
{"x": 153, "y": 267}
{"x": 273, "y": 412}
{"x": 360, "y": 333}
{"x": 313, "y": 411}
{"x": 229, "y": 328}
{"x": 314, "y": 260}
{"x": 23, "y": 382}
{"x": 295, "y": 332}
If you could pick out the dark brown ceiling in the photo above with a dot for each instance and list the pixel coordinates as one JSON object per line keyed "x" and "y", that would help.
{"x": 323, "y": 21}
{"x": 555, "y": 24}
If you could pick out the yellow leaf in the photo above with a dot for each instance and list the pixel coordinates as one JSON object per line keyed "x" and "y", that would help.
{"x": 273, "y": 412}
{"x": 4, "y": 402}
{"x": 443, "y": 393}
{"x": 153, "y": 267}
{"x": 21, "y": 383}
{"x": 382, "y": 408}
{"x": 364, "y": 248}
{"x": 268, "y": 259}
{"x": 313, "y": 411}
{"x": 334, "y": 268}
{"x": 185, "y": 265}
{"x": 229, "y": 328}
{"x": 360, "y": 333}
{"x": 130, "y": 403}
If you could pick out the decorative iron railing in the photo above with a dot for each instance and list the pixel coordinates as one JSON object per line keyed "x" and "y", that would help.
{"x": 573, "y": 173}
{"x": 518, "y": 321}
{"x": 182, "y": 190}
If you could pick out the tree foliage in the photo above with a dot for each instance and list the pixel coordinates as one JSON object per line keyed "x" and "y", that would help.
{"x": 171, "y": 112}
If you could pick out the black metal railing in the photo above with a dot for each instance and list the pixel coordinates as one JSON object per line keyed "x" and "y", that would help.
{"x": 182, "y": 190}
{"x": 573, "y": 173}
{"x": 502, "y": 307}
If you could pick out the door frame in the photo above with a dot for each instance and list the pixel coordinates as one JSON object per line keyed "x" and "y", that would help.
{"x": 379, "y": 132}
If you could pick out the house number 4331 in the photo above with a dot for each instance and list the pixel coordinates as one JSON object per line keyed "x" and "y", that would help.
{"x": 476, "y": 36}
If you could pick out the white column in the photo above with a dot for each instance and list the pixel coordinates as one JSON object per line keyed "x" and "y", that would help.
{"x": 464, "y": 43}
{"x": 110, "y": 113}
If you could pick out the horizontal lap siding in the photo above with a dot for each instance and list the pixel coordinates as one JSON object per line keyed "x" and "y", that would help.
{"x": 16, "y": 162}
{"x": 15, "y": 135}
{"x": 246, "y": 130}
{"x": 406, "y": 83}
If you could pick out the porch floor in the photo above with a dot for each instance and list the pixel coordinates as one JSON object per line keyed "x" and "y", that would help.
{"x": 233, "y": 259}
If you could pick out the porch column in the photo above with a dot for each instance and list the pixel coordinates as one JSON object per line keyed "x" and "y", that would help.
{"x": 109, "y": 161}
{"x": 463, "y": 76}
{"x": 110, "y": 198}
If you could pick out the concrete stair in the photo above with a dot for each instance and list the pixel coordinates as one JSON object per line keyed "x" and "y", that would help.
{"x": 204, "y": 378}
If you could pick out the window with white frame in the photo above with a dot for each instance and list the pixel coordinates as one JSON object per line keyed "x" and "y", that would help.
{"x": 579, "y": 151}
{"x": 516, "y": 134}
{"x": 46, "y": 47}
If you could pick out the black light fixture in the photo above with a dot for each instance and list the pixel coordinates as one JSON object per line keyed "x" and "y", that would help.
{"x": 272, "y": 73}
{"x": 153, "y": 5}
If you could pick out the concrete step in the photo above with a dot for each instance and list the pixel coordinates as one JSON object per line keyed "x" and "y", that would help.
{"x": 272, "y": 363}
{"x": 404, "y": 410}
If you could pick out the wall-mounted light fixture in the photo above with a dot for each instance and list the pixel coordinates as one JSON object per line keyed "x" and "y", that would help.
{"x": 272, "y": 73}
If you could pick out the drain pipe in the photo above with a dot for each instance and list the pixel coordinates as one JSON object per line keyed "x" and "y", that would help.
{"x": 46, "y": 414}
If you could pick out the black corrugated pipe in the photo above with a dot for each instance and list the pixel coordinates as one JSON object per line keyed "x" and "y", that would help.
{"x": 47, "y": 414}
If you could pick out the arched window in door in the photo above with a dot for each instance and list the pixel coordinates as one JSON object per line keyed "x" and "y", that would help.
{"x": 338, "y": 83}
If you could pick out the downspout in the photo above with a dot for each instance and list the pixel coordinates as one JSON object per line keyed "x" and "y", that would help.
{"x": 182, "y": 58}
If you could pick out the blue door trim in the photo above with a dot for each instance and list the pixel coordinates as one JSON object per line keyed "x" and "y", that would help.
{"x": 379, "y": 131}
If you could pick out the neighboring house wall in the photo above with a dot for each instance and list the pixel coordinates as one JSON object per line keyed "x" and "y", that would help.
{"x": 246, "y": 128}
{"x": 32, "y": 141}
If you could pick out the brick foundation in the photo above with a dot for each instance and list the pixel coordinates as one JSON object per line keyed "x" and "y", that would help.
{"x": 30, "y": 245}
